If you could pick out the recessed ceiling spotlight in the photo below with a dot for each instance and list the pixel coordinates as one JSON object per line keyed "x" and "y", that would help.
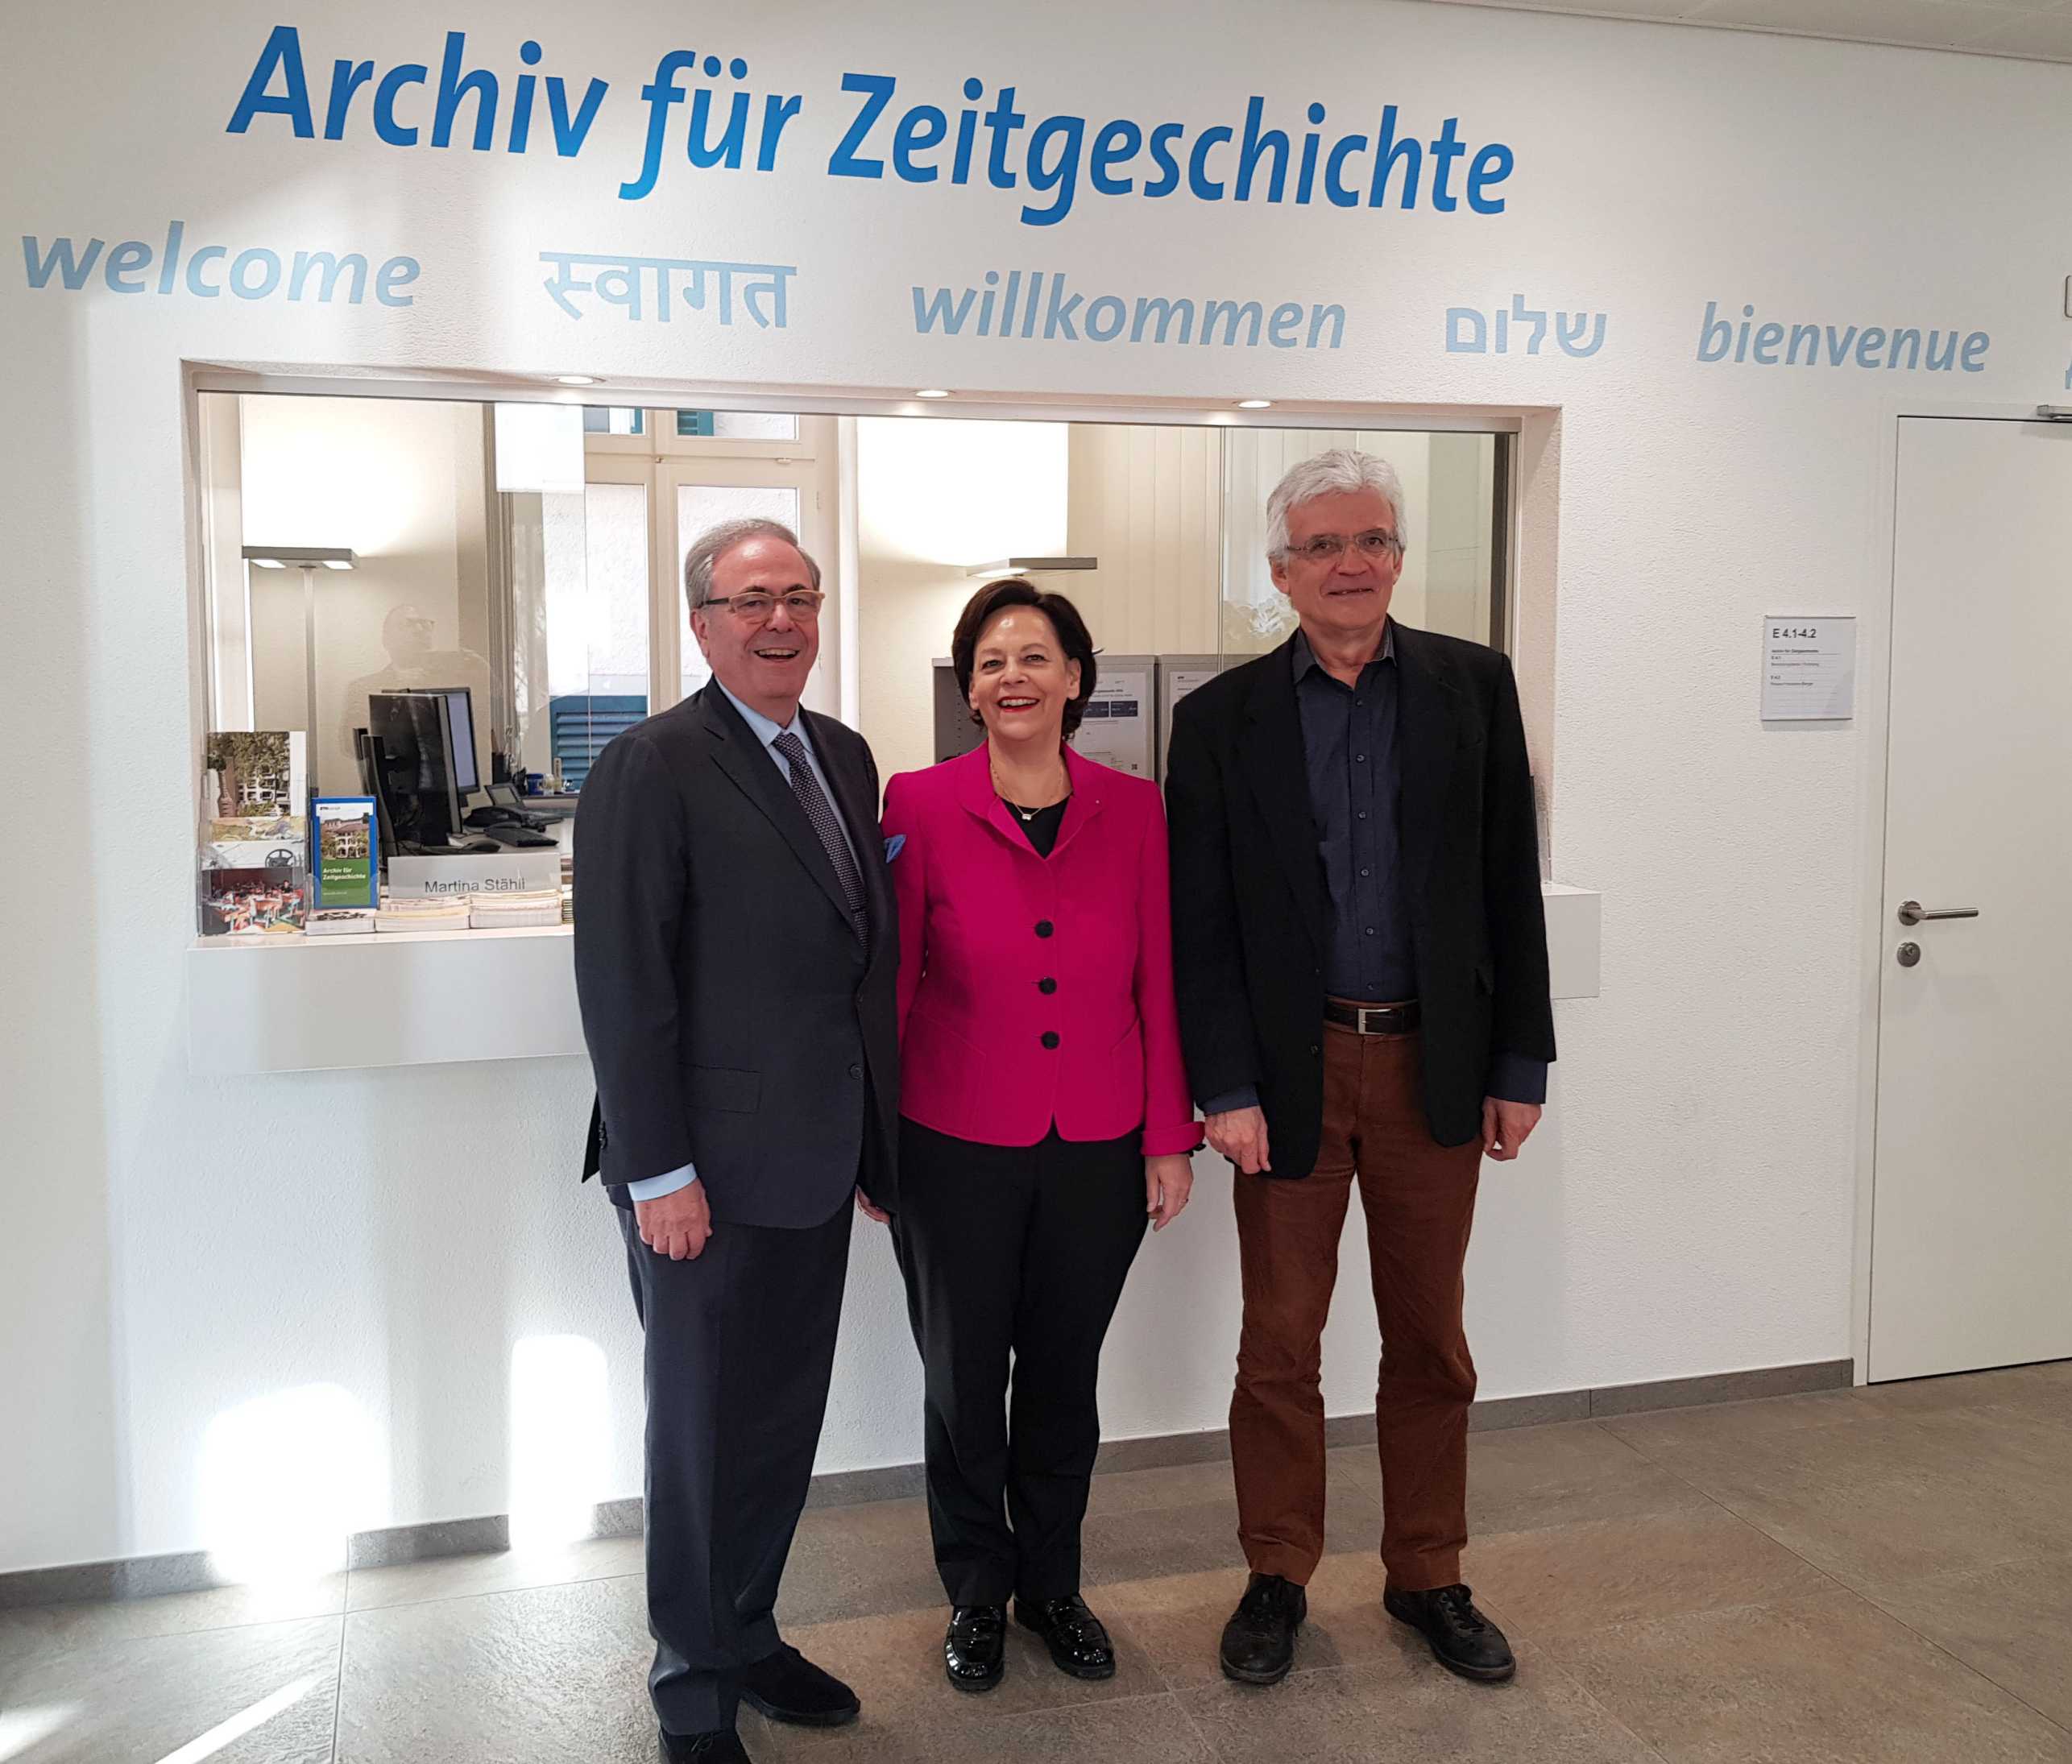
{"x": 577, "y": 379}
{"x": 1255, "y": 404}
{"x": 932, "y": 391}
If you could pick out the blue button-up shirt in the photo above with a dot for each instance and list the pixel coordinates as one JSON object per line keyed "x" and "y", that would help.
{"x": 1349, "y": 742}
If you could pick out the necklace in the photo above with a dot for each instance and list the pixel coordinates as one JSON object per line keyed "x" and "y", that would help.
{"x": 1028, "y": 815}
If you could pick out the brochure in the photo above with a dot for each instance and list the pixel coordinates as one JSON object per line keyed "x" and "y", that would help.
{"x": 236, "y": 902}
{"x": 348, "y": 863}
{"x": 256, "y": 782}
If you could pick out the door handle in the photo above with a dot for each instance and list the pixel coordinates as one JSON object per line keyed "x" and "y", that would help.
{"x": 1913, "y": 913}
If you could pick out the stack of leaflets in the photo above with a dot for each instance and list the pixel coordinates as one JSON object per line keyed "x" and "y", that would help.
{"x": 338, "y": 921}
{"x": 422, "y": 912}
{"x": 510, "y": 911}
{"x": 254, "y": 845}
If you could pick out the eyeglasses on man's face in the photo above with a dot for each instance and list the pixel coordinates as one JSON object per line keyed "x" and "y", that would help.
{"x": 803, "y": 604}
{"x": 1375, "y": 545}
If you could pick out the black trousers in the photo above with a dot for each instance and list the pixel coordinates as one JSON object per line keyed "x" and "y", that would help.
{"x": 1020, "y": 1253}
{"x": 741, "y": 1345}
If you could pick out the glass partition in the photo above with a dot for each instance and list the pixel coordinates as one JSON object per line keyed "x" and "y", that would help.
{"x": 480, "y": 597}
{"x": 1451, "y": 579}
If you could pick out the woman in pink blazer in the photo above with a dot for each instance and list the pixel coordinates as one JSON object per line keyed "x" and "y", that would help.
{"x": 1044, "y": 1114}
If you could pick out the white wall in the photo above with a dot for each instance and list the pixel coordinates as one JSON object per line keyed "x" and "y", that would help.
{"x": 175, "y": 1250}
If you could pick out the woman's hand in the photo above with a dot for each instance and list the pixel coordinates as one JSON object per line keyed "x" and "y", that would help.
{"x": 1168, "y": 1180}
{"x": 863, "y": 1206}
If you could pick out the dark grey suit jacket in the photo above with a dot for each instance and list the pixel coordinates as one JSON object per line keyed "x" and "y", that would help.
{"x": 733, "y": 1020}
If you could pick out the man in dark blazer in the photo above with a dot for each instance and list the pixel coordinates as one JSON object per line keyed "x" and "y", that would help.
{"x": 1360, "y": 959}
{"x": 736, "y": 948}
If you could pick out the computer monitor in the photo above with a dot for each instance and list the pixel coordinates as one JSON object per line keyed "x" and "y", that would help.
{"x": 460, "y": 702}
{"x": 374, "y": 780}
{"x": 418, "y": 758}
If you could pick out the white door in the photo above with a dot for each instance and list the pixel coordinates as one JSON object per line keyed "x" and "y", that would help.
{"x": 1971, "y": 1246}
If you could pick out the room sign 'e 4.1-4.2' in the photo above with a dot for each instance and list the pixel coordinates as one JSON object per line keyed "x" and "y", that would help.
{"x": 1808, "y": 669}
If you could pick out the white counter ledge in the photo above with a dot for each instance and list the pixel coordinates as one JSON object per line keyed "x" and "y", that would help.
{"x": 423, "y": 998}
{"x": 404, "y": 998}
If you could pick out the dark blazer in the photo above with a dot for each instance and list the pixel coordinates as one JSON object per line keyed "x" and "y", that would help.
{"x": 733, "y": 1020}
{"x": 1249, "y": 928}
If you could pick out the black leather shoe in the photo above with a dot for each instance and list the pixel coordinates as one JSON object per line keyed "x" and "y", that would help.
{"x": 723, "y": 1747}
{"x": 1462, "y": 1639}
{"x": 1078, "y": 1644}
{"x": 787, "y": 1687}
{"x": 1258, "y": 1642}
{"x": 975, "y": 1650}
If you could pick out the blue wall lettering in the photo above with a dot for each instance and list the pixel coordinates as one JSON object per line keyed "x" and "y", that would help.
{"x": 700, "y": 111}
{"x": 1468, "y": 333}
{"x": 1034, "y": 304}
{"x": 256, "y": 273}
{"x": 1783, "y": 344}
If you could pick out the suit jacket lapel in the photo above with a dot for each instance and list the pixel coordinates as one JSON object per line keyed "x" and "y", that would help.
{"x": 1430, "y": 731}
{"x": 1270, "y": 752}
{"x": 1081, "y": 807}
{"x": 737, "y": 753}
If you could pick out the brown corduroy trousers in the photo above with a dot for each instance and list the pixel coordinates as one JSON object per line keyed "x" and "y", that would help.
{"x": 1419, "y": 1197}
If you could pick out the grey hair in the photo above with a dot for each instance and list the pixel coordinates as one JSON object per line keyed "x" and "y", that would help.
{"x": 715, "y": 542}
{"x": 1340, "y": 470}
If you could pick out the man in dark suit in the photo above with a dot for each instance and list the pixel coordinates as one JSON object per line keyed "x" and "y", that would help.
{"x": 735, "y": 952}
{"x": 1360, "y": 959}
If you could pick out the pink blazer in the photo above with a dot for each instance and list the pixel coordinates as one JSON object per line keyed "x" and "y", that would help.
{"x": 1035, "y": 990}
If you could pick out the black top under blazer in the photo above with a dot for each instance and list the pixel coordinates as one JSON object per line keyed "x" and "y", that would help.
{"x": 734, "y": 1021}
{"x": 1249, "y": 926}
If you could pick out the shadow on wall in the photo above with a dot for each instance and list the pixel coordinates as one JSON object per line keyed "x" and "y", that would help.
{"x": 62, "y": 1474}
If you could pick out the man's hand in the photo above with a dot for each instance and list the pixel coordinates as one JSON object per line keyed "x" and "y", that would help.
{"x": 1168, "y": 1181}
{"x": 1506, "y": 1127}
{"x": 1240, "y": 1135}
{"x": 677, "y": 1225}
{"x": 863, "y": 1206}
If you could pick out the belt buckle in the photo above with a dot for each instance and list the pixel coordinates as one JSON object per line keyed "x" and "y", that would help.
{"x": 1384, "y": 1013}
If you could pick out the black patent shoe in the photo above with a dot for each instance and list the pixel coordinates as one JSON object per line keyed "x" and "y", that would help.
{"x": 1078, "y": 1644}
{"x": 1258, "y": 1642}
{"x": 723, "y": 1747}
{"x": 787, "y": 1687}
{"x": 975, "y": 1649}
{"x": 1462, "y": 1639}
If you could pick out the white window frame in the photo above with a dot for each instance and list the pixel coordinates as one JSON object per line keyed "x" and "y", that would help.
{"x": 662, "y": 461}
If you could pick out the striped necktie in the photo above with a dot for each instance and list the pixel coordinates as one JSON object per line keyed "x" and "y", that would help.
{"x": 821, "y": 813}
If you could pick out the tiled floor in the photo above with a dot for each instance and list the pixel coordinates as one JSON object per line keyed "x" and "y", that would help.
{"x": 1842, "y": 1579}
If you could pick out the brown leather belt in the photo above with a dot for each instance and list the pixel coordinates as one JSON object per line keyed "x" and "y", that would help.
{"x": 1373, "y": 1019}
